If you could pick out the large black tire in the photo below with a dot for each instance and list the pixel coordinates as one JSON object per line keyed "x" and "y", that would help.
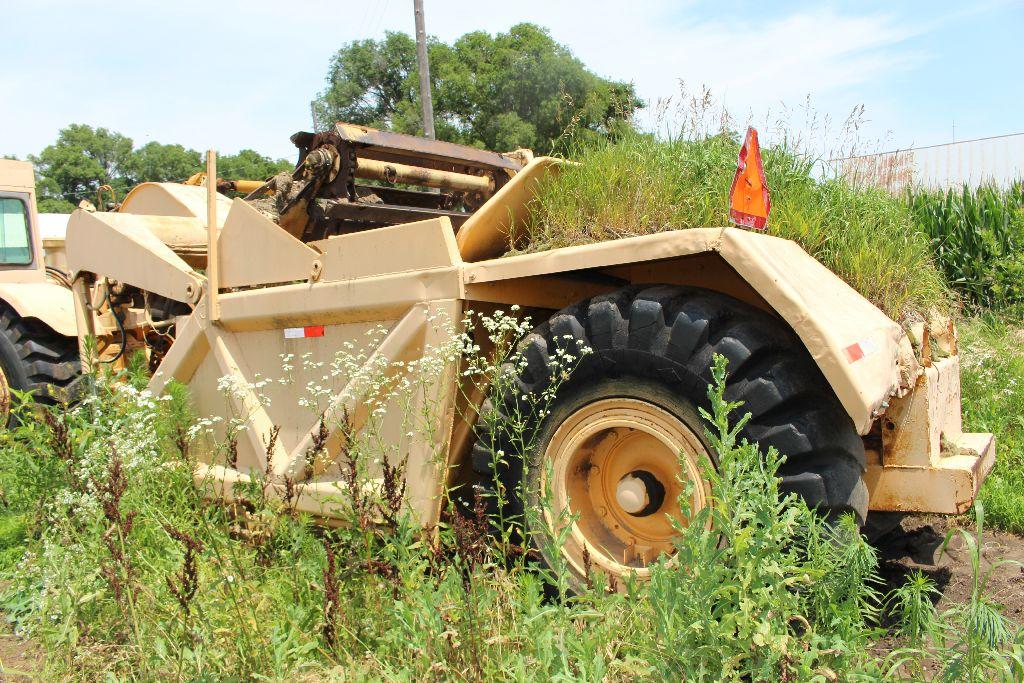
{"x": 36, "y": 359}
{"x": 667, "y": 336}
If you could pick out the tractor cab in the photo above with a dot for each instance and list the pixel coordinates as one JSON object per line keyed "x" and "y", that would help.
{"x": 38, "y": 334}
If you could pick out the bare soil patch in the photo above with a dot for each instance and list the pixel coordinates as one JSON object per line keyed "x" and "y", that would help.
{"x": 20, "y": 659}
{"x": 917, "y": 544}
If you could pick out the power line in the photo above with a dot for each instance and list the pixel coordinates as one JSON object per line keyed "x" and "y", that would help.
{"x": 380, "y": 17}
{"x": 366, "y": 15}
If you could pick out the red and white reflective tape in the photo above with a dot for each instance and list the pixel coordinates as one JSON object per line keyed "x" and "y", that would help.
{"x": 854, "y": 352}
{"x": 304, "y": 332}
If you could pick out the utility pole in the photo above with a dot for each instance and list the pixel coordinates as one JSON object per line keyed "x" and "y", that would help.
{"x": 421, "y": 59}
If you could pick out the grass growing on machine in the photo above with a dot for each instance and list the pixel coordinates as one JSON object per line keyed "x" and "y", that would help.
{"x": 640, "y": 184}
{"x": 126, "y": 573}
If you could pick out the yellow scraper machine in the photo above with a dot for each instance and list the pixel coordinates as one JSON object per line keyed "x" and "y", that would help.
{"x": 389, "y": 232}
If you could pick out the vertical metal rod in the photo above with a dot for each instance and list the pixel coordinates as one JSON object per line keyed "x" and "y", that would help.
{"x": 424, "y": 66}
{"x": 86, "y": 323}
{"x": 212, "y": 257}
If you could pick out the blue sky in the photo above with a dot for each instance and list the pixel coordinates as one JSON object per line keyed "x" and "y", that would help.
{"x": 233, "y": 74}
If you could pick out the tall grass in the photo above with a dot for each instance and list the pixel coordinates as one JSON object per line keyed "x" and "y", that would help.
{"x": 640, "y": 184}
{"x": 992, "y": 378}
{"x": 125, "y": 574}
{"x": 977, "y": 236}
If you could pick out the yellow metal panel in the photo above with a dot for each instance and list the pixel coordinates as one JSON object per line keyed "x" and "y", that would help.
{"x": 190, "y": 347}
{"x": 915, "y": 425}
{"x": 173, "y": 199}
{"x": 245, "y": 402}
{"x": 485, "y": 235}
{"x": 828, "y": 315}
{"x": 256, "y": 251}
{"x": 602, "y": 254}
{"x": 17, "y": 175}
{"x": 322, "y": 499}
{"x": 330, "y": 303}
{"x": 46, "y": 301}
{"x": 949, "y": 486}
{"x": 124, "y": 247}
{"x": 397, "y": 249}
{"x": 264, "y": 403}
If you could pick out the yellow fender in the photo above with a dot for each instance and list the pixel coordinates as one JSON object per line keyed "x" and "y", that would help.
{"x": 48, "y": 302}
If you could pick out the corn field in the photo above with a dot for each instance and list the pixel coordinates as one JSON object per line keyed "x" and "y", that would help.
{"x": 977, "y": 235}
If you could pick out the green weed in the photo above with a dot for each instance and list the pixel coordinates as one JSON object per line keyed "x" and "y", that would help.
{"x": 970, "y": 642}
{"x": 127, "y": 574}
{"x": 761, "y": 589}
{"x": 992, "y": 379}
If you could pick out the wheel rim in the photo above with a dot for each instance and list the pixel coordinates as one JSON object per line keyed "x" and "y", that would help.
{"x": 618, "y": 467}
{"x": 5, "y": 399}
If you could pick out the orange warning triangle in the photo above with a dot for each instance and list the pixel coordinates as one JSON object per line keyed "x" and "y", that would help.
{"x": 749, "y": 202}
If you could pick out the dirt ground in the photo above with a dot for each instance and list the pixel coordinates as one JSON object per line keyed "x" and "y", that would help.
{"x": 918, "y": 543}
{"x": 915, "y": 545}
{"x": 20, "y": 659}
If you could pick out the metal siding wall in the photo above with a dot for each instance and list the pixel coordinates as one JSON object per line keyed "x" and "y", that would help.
{"x": 998, "y": 160}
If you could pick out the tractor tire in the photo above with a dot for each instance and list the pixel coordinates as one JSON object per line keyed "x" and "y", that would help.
{"x": 34, "y": 358}
{"x": 611, "y": 440}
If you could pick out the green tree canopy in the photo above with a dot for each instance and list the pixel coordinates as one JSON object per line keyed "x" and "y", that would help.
{"x": 154, "y": 162}
{"x": 84, "y": 158}
{"x": 249, "y": 165}
{"x": 515, "y": 89}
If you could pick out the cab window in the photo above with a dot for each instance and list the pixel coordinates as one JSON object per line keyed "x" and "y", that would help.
{"x": 15, "y": 245}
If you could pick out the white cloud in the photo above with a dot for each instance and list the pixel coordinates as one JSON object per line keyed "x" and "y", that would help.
{"x": 241, "y": 74}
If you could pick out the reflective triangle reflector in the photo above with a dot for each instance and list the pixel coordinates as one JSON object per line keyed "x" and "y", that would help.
{"x": 304, "y": 332}
{"x": 749, "y": 202}
{"x": 854, "y": 352}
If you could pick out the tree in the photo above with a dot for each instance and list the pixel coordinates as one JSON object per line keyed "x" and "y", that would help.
{"x": 82, "y": 159}
{"x": 515, "y": 89}
{"x": 249, "y": 165}
{"x": 49, "y": 198}
{"x": 154, "y": 162}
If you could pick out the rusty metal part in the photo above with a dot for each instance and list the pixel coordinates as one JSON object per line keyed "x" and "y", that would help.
{"x": 618, "y": 468}
{"x": 321, "y": 158}
{"x": 470, "y": 176}
{"x": 391, "y": 172}
{"x": 99, "y": 197}
{"x": 399, "y": 196}
{"x": 378, "y": 215}
{"x": 381, "y": 142}
{"x": 927, "y": 463}
{"x": 316, "y": 168}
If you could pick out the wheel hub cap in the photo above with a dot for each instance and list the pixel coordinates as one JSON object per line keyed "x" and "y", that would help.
{"x": 631, "y": 494}
{"x": 619, "y": 468}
